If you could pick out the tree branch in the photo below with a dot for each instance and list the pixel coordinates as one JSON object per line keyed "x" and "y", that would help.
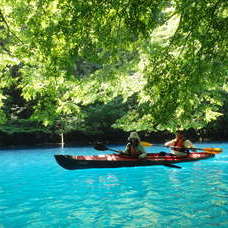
{"x": 8, "y": 28}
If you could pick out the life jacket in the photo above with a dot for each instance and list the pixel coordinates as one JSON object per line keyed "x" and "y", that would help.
{"x": 133, "y": 151}
{"x": 179, "y": 145}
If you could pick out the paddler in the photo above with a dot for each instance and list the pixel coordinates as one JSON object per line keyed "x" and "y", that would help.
{"x": 133, "y": 147}
{"x": 179, "y": 145}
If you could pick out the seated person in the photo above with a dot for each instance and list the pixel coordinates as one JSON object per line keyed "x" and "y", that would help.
{"x": 179, "y": 145}
{"x": 133, "y": 147}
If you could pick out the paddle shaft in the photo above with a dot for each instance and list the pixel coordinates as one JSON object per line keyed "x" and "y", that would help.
{"x": 117, "y": 151}
{"x": 206, "y": 150}
{"x": 102, "y": 147}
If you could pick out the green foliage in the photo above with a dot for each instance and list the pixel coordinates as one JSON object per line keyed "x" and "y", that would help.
{"x": 185, "y": 73}
{"x": 23, "y": 126}
{"x": 167, "y": 60}
{"x": 99, "y": 118}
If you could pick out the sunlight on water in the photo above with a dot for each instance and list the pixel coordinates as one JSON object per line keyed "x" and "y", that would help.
{"x": 36, "y": 192}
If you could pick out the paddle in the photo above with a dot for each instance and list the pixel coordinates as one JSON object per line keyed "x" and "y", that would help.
{"x": 102, "y": 147}
{"x": 173, "y": 166}
{"x": 206, "y": 150}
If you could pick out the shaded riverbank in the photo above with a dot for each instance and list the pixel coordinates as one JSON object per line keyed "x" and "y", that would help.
{"x": 110, "y": 137}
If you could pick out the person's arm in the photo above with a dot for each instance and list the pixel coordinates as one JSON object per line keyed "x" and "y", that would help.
{"x": 170, "y": 143}
{"x": 141, "y": 149}
{"x": 126, "y": 150}
{"x": 188, "y": 144}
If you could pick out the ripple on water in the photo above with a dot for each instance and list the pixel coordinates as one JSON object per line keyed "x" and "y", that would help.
{"x": 36, "y": 192}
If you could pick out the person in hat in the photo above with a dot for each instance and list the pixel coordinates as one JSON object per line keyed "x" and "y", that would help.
{"x": 179, "y": 145}
{"x": 133, "y": 147}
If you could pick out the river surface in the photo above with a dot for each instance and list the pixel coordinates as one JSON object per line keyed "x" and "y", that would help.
{"x": 35, "y": 192}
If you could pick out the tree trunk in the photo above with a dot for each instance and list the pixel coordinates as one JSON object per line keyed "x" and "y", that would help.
{"x": 62, "y": 140}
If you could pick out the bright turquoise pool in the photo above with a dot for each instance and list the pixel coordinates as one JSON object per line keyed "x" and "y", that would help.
{"x": 36, "y": 192}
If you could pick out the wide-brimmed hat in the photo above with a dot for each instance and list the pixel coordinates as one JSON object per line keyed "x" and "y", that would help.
{"x": 134, "y": 135}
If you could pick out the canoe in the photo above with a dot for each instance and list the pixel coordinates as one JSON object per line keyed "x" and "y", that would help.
{"x": 116, "y": 160}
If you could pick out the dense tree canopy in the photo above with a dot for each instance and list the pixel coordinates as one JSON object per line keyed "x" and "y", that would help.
{"x": 165, "y": 62}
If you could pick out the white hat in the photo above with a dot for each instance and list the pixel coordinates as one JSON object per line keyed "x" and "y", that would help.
{"x": 134, "y": 135}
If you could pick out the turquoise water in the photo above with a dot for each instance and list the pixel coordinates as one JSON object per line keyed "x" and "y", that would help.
{"x": 36, "y": 192}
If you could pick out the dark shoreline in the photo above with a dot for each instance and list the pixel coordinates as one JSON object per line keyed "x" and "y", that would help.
{"x": 79, "y": 139}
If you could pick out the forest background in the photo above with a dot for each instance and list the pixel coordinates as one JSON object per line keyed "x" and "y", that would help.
{"x": 80, "y": 71}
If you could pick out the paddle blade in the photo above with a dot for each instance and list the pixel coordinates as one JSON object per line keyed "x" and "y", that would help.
{"x": 101, "y": 147}
{"x": 172, "y": 166}
{"x": 212, "y": 150}
{"x": 143, "y": 143}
